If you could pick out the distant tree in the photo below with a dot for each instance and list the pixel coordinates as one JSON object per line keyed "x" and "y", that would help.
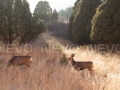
{"x": 65, "y": 13}
{"x": 69, "y": 11}
{"x": 62, "y": 13}
{"x": 43, "y": 11}
{"x": 55, "y": 15}
{"x": 82, "y": 21}
{"x": 72, "y": 17}
{"x": 106, "y": 23}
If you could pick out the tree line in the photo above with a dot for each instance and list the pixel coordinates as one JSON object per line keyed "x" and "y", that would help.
{"x": 95, "y": 21}
{"x": 17, "y": 24}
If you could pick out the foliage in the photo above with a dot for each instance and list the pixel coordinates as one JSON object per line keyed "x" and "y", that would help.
{"x": 63, "y": 60}
{"x": 106, "y": 23}
{"x": 23, "y": 19}
{"x": 82, "y": 21}
{"x": 43, "y": 11}
{"x": 36, "y": 28}
{"x": 72, "y": 17}
{"x": 16, "y": 22}
{"x": 6, "y": 15}
{"x": 59, "y": 29}
{"x": 65, "y": 13}
{"x": 55, "y": 15}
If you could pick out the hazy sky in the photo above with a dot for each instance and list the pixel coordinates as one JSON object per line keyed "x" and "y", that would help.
{"x": 54, "y": 4}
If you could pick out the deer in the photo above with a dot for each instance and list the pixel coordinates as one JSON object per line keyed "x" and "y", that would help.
{"x": 81, "y": 65}
{"x": 20, "y": 60}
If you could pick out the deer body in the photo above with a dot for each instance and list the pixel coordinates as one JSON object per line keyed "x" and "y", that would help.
{"x": 20, "y": 60}
{"x": 81, "y": 65}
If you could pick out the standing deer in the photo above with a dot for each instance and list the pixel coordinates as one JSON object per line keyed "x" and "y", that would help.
{"x": 81, "y": 65}
{"x": 20, "y": 60}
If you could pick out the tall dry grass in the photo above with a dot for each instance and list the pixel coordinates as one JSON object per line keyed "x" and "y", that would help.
{"x": 45, "y": 72}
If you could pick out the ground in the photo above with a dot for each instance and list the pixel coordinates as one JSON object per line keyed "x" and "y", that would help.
{"x": 45, "y": 72}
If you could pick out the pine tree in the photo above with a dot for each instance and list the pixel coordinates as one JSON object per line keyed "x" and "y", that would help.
{"x": 32, "y": 26}
{"x": 65, "y": 13}
{"x": 72, "y": 17}
{"x": 69, "y": 11}
{"x": 6, "y": 21}
{"x": 26, "y": 21}
{"x": 43, "y": 11}
{"x": 16, "y": 22}
{"x": 54, "y": 15}
{"x": 106, "y": 23}
{"x": 2, "y": 18}
{"x": 82, "y": 22}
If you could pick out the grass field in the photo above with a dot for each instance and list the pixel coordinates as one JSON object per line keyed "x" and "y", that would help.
{"x": 46, "y": 73}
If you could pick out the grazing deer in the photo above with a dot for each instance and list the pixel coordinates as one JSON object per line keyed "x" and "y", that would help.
{"x": 81, "y": 65}
{"x": 20, "y": 60}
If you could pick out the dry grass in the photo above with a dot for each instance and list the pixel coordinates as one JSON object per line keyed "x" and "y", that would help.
{"x": 45, "y": 72}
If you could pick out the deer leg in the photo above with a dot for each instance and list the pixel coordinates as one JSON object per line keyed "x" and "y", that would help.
{"x": 91, "y": 71}
{"x": 81, "y": 68}
{"x": 27, "y": 65}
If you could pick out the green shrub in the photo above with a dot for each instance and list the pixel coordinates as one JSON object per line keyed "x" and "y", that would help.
{"x": 63, "y": 61}
{"x": 106, "y": 23}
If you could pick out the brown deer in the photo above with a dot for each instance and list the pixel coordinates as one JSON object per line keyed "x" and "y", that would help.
{"x": 81, "y": 65}
{"x": 20, "y": 60}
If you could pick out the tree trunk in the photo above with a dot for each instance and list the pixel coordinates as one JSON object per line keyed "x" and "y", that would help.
{"x": 10, "y": 38}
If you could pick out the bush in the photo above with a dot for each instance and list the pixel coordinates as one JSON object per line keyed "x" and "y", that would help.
{"x": 63, "y": 61}
{"x": 106, "y": 23}
{"x": 82, "y": 22}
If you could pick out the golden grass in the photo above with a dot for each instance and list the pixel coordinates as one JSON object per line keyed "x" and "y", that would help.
{"x": 45, "y": 72}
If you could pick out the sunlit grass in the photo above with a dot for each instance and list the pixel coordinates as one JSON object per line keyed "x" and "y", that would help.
{"x": 46, "y": 73}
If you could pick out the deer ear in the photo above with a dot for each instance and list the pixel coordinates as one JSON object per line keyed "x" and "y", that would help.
{"x": 73, "y": 54}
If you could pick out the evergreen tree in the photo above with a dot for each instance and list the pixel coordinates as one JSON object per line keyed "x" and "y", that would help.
{"x": 106, "y": 23}
{"x": 26, "y": 22}
{"x": 69, "y": 11}
{"x": 65, "y": 13}
{"x": 55, "y": 15}
{"x": 72, "y": 17}
{"x": 22, "y": 19}
{"x": 16, "y": 22}
{"x": 37, "y": 27}
{"x": 2, "y": 18}
{"x": 32, "y": 26}
{"x": 6, "y": 21}
{"x": 43, "y": 11}
{"x": 82, "y": 22}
